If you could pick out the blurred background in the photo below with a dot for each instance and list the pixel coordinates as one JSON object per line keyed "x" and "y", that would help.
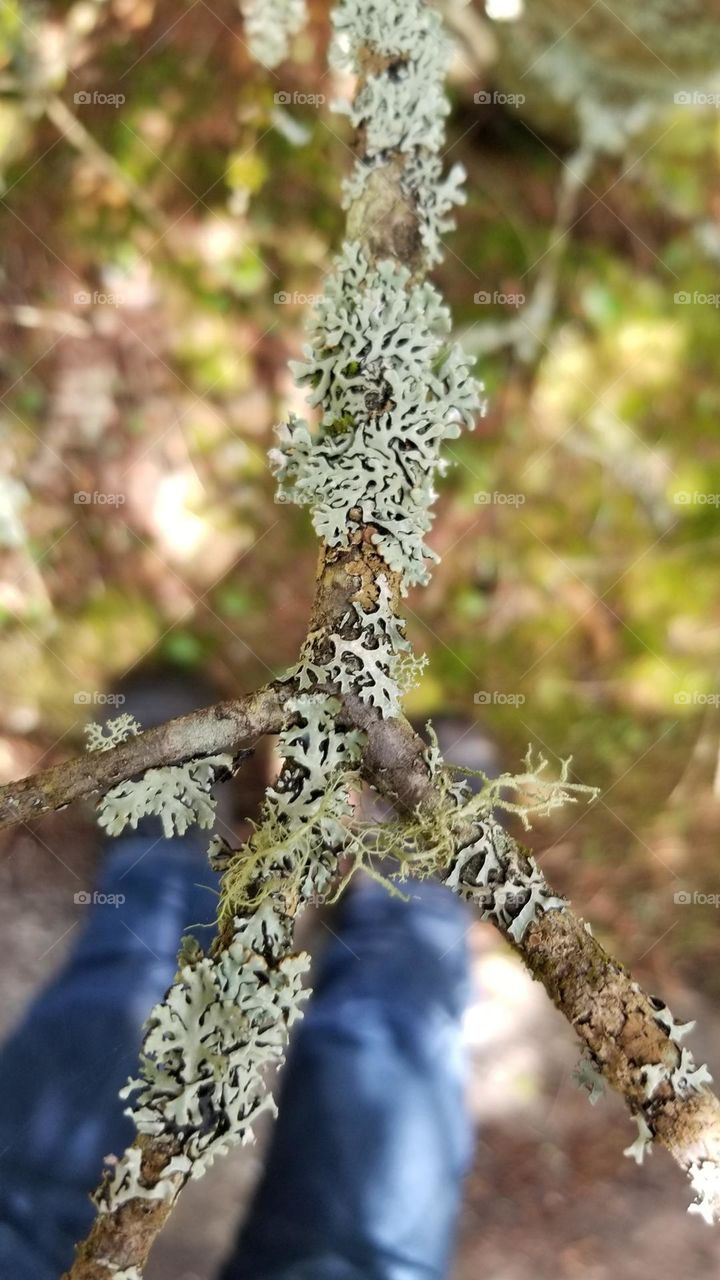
{"x": 169, "y": 208}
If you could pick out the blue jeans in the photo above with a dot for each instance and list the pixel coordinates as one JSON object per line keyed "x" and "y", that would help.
{"x": 364, "y": 1172}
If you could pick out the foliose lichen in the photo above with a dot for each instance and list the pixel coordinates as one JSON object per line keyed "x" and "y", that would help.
{"x": 587, "y": 1076}
{"x": 642, "y": 1145}
{"x": 179, "y": 795}
{"x": 400, "y": 105}
{"x": 112, "y": 734}
{"x": 270, "y": 26}
{"x": 296, "y": 846}
{"x": 685, "y": 1077}
{"x": 207, "y": 1045}
{"x": 705, "y": 1180}
{"x": 391, "y": 388}
{"x": 124, "y": 1181}
{"x": 510, "y": 890}
{"x": 675, "y": 1030}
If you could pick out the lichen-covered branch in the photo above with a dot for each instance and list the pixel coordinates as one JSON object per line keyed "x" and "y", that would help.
{"x": 389, "y": 387}
{"x": 227, "y": 727}
{"x": 630, "y": 1039}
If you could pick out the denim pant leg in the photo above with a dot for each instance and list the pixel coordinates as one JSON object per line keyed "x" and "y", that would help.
{"x": 363, "y": 1178}
{"x": 61, "y": 1070}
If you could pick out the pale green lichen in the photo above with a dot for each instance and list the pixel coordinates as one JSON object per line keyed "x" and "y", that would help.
{"x": 380, "y": 357}
{"x": 124, "y": 1181}
{"x": 535, "y": 795}
{"x": 587, "y": 1076}
{"x": 303, "y": 829}
{"x": 642, "y": 1145}
{"x": 401, "y": 106}
{"x": 510, "y": 891}
{"x": 224, "y": 1021}
{"x": 209, "y": 1043}
{"x": 705, "y": 1180}
{"x": 685, "y": 1077}
{"x": 675, "y": 1030}
{"x": 390, "y": 385}
{"x": 112, "y": 734}
{"x": 270, "y": 26}
{"x": 179, "y": 795}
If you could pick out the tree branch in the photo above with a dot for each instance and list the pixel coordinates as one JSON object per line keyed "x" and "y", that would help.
{"x": 623, "y": 1030}
{"x": 224, "y": 727}
{"x": 395, "y": 220}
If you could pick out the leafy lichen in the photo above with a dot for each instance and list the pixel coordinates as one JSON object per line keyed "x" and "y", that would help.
{"x": 270, "y": 26}
{"x": 179, "y": 795}
{"x": 103, "y": 737}
{"x": 408, "y": 389}
{"x": 224, "y": 1021}
{"x": 587, "y": 1076}
{"x": 296, "y": 846}
{"x": 642, "y": 1145}
{"x": 510, "y": 891}
{"x": 209, "y": 1042}
{"x": 401, "y": 106}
